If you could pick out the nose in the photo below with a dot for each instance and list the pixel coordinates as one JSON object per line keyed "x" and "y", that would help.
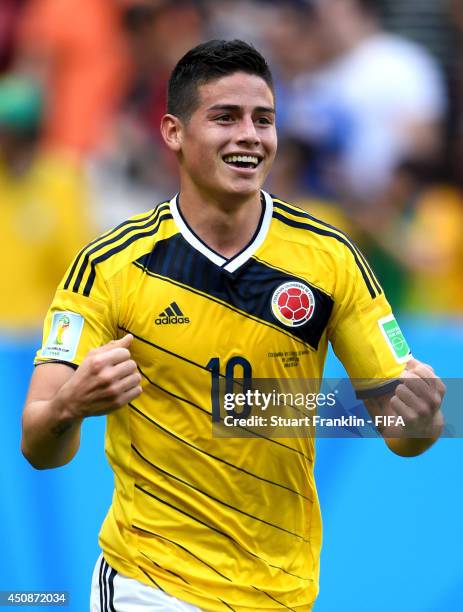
{"x": 247, "y": 132}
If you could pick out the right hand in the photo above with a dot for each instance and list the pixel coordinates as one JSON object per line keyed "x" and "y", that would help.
{"x": 106, "y": 380}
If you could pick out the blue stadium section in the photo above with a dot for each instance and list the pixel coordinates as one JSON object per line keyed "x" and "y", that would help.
{"x": 392, "y": 527}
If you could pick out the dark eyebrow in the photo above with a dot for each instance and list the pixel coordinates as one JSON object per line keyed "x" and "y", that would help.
{"x": 236, "y": 107}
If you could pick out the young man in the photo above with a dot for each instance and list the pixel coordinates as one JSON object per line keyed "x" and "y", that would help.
{"x": 150, "y": 314}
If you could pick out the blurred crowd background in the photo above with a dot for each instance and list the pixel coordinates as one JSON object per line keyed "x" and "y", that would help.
{"x": 370, "y": 118}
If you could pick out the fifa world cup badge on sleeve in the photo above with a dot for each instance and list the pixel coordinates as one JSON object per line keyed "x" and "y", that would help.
{"x": 64, "y": 336}
{"x": 394, "y": 338}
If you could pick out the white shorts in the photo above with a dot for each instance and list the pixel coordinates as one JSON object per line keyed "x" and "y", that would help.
{"x": 113, "y": 592}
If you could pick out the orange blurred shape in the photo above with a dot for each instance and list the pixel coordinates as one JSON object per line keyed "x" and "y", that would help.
{"x": 78, "y": 47}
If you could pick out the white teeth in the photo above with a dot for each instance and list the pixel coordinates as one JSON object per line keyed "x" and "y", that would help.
{"x": 249, "y": 159}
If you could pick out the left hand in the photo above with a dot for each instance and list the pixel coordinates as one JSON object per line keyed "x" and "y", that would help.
{"x": 417, "y": 399}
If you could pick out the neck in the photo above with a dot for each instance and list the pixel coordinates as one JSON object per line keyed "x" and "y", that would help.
{"x": 225, "y": 225}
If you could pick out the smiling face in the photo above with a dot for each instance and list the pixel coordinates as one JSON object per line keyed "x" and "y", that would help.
{"x": 228, "y": 145}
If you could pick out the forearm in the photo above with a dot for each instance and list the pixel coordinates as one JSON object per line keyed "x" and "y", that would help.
{"x": 60, "y": 398}
{"x": 50, "y": 436}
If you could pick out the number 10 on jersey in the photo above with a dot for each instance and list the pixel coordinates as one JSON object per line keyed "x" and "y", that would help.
{"x": 237, "y": 380}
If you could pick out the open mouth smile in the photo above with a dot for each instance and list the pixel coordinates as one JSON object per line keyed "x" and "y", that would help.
{"x": 242, "y": 161}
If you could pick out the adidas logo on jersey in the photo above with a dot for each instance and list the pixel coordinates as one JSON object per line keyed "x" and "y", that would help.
{"x": 172, "y": 315}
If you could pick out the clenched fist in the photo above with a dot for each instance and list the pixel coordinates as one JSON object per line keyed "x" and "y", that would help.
{"x": 417, "y": 399}
{"x": 410, "y": 419}
{"x": 106, "y": 380}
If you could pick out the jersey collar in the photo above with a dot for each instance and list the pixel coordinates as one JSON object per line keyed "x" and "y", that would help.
{"x": 235, "y": 262}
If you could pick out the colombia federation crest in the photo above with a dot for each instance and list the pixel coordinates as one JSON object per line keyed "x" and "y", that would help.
{"x": 293, "y": 304}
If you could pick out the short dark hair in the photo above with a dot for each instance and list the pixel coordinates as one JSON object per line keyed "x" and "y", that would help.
{"x": 207, "y": 62}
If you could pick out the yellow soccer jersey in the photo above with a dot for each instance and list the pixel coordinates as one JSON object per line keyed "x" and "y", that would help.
{"x": 221, "y": 523}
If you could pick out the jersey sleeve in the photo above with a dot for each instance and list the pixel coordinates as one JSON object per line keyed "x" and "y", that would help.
{"x": 76, "y": 323}
{"x": 363, "y": 330}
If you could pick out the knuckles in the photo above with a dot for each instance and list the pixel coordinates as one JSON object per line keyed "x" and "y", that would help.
{"x": 124, "y": 353}
{"x": 437, "y": 399}
{"x": 441, "y": 389}
{"x": 401, "y": 391}
{"x": 112, "y": 392}
{"x": 422, "y": 410}
{"x": 105, "y": 378}
{"x": 96, "y": 362}
{"x": 417, "y": 386}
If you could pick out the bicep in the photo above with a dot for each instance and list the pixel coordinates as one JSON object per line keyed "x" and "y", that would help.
{"x": 47, "y": 440}
{"x": 47, "y": 379}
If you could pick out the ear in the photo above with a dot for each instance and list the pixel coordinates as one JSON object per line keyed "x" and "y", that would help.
{"x": 172, "y": 132}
